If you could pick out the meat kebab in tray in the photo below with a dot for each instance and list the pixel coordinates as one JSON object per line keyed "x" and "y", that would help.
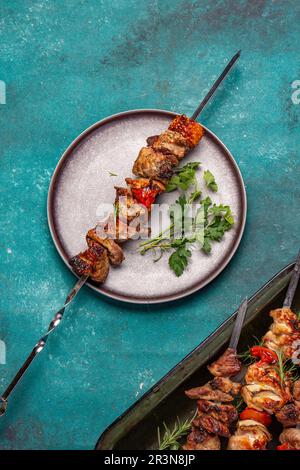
{"x": 240, "y": 396}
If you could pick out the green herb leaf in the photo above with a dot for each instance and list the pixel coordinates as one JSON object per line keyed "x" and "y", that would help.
{"x": 178, "y": 260}
{"x": 172, "y": 437}
{"x": 183, "y": 177}
{"x": 111, "y": 173}
{"x": 210, "y": 180}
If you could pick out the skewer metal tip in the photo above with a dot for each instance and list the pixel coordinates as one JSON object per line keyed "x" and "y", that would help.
{"x": 293, "y": 284}
{"x": 238, "y": 325}
{"x": 216, "y": 85}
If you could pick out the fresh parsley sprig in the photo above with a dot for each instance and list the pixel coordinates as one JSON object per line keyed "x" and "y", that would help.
{"x": 183, "y": 177}
{"x": 210, "y": 180}
{"x": 207, "y": 226}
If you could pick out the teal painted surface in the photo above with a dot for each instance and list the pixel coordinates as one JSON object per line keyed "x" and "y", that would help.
{"x": 69, "y": 64}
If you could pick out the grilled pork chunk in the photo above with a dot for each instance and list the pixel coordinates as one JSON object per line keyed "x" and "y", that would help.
{"x": 250, "y": 435}
{"x": 283, "y": 332}
{"x": 227, "y": 365}
{"x": 93, "y": 262}
{"x": 170, "y": 142}
{"x": 199, "y": 439}
{"x": 291, "y": 436}
{"x": 289, "y": 415}
{"x": 264, "y": 389}
{"x": 153, "y": 164}
{"x": 191, "y": 130}
{"x": 115, "y": 252}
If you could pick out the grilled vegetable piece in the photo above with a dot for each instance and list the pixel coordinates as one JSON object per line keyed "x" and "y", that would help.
{"x": 191, "y": 130}
{"x": 153, "y": 164}
{"x": 199, "y": 439}
{"x": 265, "y": 355}
{"x": 284, "y": 330}
{"x": 145, "y": 190}
{"x": 264, "y": 389}
{"x": 291, "y": 436}
{"x": 115, "y": 252}
{"x": 261, "y": 416}
{"x": 227, "y": 365}
{"x": 249, "y": 435}
{"x": 93, "y": 261}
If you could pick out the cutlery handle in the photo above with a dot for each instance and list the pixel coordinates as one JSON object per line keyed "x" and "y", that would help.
{"x": 40, "y": 344}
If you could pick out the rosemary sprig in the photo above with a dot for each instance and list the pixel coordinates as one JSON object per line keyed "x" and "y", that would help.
{"x": 238, "y": 403}
{"x": 286, "y": 369}
{"x": 171, "y": 438}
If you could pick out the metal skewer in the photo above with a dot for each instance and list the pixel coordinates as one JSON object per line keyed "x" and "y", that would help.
{"x": 293, "y": 284}
{"x": 216, "y": 85}
{"x": 41, "y": 343}
{"x": 58, "y": 316}
{"x": 238, "y": 325}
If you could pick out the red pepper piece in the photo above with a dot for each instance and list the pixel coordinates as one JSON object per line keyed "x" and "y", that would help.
{"x": 265, "y": 355}
{"x": 260, "y": 416}
{"x": 145, "y": 196}
{"x": 285, "y": 446}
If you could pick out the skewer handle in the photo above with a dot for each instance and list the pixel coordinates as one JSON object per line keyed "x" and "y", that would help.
{"x": 40, "y": 344}
{"x": 293, "y": 284}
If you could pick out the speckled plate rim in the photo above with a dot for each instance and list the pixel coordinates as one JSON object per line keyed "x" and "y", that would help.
{"x": 129, "y": 298}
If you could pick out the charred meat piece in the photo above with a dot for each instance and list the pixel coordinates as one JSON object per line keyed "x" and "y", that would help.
{"x": 93, "y": 261}
{"x": 291, "y": 436}
{"x": 296, "y": 390}
{"x": 171, "y": 142}
{"x": 225, "y": 385}
{"x": 211, "y": 425}
{"x": 155, "y": 165}
{"x": 227, "y": 365}
{"x": 191, "y": 130}
{"x": 219, "y": 389}
{"x": 115, "y": 252}
{"x": 250, "y": 435}
{"x": 206, "y": 392}
{"x": 264, "y": 389}
{"x": 117, "y": 229}
{"x": 225, "y": 413}
{"x": 199, "y": 439}
{"x": 284, "y": 330}
{"x": 289, "y": 415}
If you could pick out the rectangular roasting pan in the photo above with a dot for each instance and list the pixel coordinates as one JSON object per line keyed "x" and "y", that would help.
{"x": 136, "y": 429}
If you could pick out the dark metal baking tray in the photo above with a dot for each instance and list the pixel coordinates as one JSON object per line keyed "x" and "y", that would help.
{"x": 137, "y": 428}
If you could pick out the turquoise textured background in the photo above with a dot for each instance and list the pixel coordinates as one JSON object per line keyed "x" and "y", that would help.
{"x": 69, "y": 64}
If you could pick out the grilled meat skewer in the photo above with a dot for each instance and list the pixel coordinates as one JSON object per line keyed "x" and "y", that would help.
{"x": 216, "y": 411}
{"x": 266, "y": 391}
{"x": 155, "y": 164}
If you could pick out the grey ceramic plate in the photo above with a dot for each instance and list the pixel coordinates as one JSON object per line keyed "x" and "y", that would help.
{"x": 82, "y": 181}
